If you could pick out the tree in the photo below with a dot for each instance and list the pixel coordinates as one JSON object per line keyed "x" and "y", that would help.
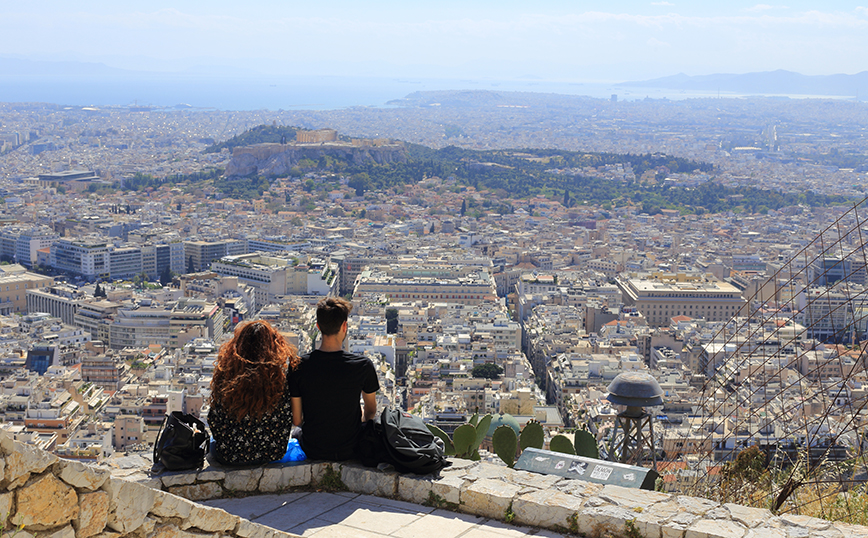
{"x": 166, "y": 276}
{"x": 98, "y": 291}
{"x": 487, "y": 371}
{"x": 391, "y": 320}
{"x": 190, "y": 267}
{"x": 463, "y": 207}
{"x": 431, "y": 229}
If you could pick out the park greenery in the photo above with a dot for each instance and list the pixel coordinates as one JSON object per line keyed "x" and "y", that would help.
{"x": 487, "y": 371}
{"x": 569, "y": 177}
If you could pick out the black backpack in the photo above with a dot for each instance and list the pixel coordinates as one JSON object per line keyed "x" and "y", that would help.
{"x": 403, "y": 440}
{"x": 182, "y": 442}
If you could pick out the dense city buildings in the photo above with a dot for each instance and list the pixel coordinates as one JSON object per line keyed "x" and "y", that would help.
{"x": 115, "y": 296}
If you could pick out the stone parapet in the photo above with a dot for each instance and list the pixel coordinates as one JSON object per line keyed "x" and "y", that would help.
{"x": 492, "y": 491}
{"x": 43, "y": 496}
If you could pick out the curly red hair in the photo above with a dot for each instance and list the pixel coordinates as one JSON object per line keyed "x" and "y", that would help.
{"x": 250, "y": 375}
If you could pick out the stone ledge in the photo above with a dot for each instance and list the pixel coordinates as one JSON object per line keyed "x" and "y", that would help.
{"x": 496, "y": 492}
{"x": 48, "y": 497}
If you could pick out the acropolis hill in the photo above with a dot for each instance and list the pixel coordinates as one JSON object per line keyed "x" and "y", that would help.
{"x": 276, "y": 159}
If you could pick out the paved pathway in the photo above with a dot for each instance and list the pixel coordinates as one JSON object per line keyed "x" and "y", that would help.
{"x": 327, "y": 515}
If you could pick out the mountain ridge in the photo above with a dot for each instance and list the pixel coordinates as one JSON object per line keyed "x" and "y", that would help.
{"x": 779, "y": 81}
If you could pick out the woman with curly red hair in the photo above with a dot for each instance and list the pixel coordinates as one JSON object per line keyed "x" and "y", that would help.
{"x": 250, "y": 416}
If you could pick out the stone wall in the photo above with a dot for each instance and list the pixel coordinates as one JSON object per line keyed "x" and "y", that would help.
{"x": 47, "y": 497}
{"x": 479, "y": 488}
{"x": 42, "y": 496}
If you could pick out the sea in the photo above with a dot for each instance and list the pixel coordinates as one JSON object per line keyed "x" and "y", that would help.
{"x": 162, "y": 91}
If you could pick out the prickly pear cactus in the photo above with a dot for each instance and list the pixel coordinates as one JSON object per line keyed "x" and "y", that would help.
{"x": 562, "y": 444}
{"x": 464, "y": 439}
{"x": 586, "y": 445}
{"x": 482, "y": 430}
{"x": 504, "y": 441}
{"x": 449, "y": 447}
{"x": 532, "y": 435}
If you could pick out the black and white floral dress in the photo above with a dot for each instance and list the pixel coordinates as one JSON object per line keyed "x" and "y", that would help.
{"x": 251, "y": 441}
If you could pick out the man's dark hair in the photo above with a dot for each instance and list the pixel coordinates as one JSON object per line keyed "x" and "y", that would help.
{"x": 331, "y": 313}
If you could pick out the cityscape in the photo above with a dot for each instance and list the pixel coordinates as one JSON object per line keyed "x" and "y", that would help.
{"x": 135, "y": 239}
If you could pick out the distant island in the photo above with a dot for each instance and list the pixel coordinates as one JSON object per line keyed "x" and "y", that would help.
{"x": 778, "y": 82}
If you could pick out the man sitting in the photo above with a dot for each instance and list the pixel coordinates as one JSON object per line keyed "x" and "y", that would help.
{"x": 326, "y": 386}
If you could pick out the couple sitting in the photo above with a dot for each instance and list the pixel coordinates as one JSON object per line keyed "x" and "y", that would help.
{"x": 261, "y": 388}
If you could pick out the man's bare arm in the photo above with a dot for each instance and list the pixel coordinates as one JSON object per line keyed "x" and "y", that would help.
{"x": 370, "y": 400}
{"x": 295, "y": 405}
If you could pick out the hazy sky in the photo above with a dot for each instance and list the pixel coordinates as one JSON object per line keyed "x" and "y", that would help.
{"x": 562, "y": 40}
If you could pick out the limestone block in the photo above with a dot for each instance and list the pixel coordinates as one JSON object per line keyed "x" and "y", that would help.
{"x": 317, "y": 470}
{"x": 65, "y": 532}
{"x": 487, "y": 470}
{"x": 448, "y": 488}
{"x": 198, "y": 492}
{"x": 179, "y": 479}
{"x": 579, "y": 488}
{"x": 147, "y": 526}
{"x": 415, "y": 489}
{"x": 106, "y": 534}
{"x": 715, "y": 528}
{"x": 79, "y": 475}
{"x": 369, "y": 481}
{"x": 92, "y": 514}
{"x": 23, "y": 460}
{"x": 130, "y": 503}
{"x": 210, "y": 519}
{"x": 211, "y": 475}
{"x": 599, "y": 520}
{"x": 749, "y": 517}
{"x": 533, "y": 480}
{"x": 489, "y": 498}
{"x": 45, "y": 503}
{"x": 764, "y": 532}
{"x": 667, "y": 519}
{"x": 808, "y": 522}
{"x": 168, "y": 505}
{"x": 459, "y": 466}
{"x": 696, "y": 505}
{"x": 247, "y": 529}
{"x": 171, "y": 531}
{"x": 243, "y": 479}
{"x": 850, "y": 531}
{"x": 278, "y": 478}
{"x": 545, "y": 508}
{"x": 6, "y": 506}
{"x": 631, "y": 497}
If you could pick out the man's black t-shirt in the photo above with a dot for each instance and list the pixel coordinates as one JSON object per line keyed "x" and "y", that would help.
{"x": 330, "y": 386}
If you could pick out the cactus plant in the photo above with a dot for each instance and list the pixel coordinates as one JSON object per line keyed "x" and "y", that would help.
{"x": 504, "y": 442}
{"x": 463, "y": 438}
{"x": 562, "y": 444}
{"x": 447, "y": 442}
{"x": 586, "y": 444}
{"x": 482, "y": 429}
{"x": 532, "y": 435}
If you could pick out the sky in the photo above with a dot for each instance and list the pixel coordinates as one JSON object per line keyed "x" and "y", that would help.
{"x": 590, "y": 41}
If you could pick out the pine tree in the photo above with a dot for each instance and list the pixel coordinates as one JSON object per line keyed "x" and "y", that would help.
{"x": 190, "y": 267}
{"x": 463, "y": 207}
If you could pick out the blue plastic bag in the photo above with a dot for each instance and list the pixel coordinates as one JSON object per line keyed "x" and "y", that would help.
{"x": 293, "y": 452}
